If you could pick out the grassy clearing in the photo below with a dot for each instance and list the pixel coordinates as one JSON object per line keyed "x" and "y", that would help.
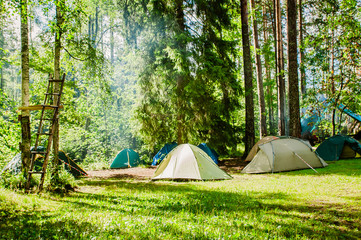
{"x": 294, "y": 205}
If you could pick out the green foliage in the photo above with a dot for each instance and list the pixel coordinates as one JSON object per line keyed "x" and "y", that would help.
{"x": 324, "y": 129}
{"x": 12, "y": 181}
{"x": 64, "y": 183}
{"x": 9, "y": 130}
{"x": 136, "y": 75}
{"x": 95, "y": 120}
{"x": 270, "y": 206}
{"x": 334, "y": 29}
{"x": 188, "y": 82}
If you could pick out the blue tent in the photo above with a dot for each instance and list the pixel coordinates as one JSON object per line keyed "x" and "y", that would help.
{"x": 163, "y": 152}
{"x": 209, "y": 151}
{"x": 349, "y": 112}
{"x": 309, "y": 124}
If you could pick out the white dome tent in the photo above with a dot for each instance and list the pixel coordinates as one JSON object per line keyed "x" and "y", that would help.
{"x": 187, "y": 161}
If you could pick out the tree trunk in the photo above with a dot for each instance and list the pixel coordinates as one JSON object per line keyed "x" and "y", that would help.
{"x": 280, "y": 70}
{"x": 333, "y": 121}
{"x": 2, "y": 79}
{"x": 111, "y": 42}
{"x": 13, "y": 80}
{"x": 302, "y": 52}
{"x": 90, "y": 28}
{"x": 268, "y": 75}
{"x": 57, "y": 51}
{"x": 332, "y": 79}
{"x": 1, "y": 46}
{"x": 293, "y": 87}
{"x": 276, "y": 55}
{"x": 25, "y": 115}
{"x": 247, "y": 66}
{"x": 336, "y": 98}
{"x": 261, "y": 101}
{"x": 340, "y": 121}
{"x": 96, "y": 23}
{"x": 101, "y": 37}
{"x": 181, "y": 82}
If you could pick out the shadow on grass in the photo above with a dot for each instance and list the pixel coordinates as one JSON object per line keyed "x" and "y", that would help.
{"x": 50, "y": 225}
{"x": 259, "y": 214}
{"x": 38, "y": 225}
{"x": 278, "y": 217}
{"x": 174, "y": 199}
{"x": 321, "y": 220}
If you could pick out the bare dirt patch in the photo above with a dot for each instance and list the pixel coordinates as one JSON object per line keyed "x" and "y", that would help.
{"x": 140, "y": 173}
{"x": 233, "y": 165}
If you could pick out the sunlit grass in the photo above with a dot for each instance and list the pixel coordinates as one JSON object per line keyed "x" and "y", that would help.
{"x": 293, "y": 205}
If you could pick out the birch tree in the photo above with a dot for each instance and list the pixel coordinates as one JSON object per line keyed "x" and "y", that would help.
{"x": 25, "y": 114}
{"x": 261, "y": 98}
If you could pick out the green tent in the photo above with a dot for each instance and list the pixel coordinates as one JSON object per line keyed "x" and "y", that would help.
{"x": 70, "y": 165}
{"x": 339, "y": 147}
{"x": 14, "y": 166}
{"x": 126, "y": 158}
{"x": 187, "y": 161}
{"x": 283, "y": 154}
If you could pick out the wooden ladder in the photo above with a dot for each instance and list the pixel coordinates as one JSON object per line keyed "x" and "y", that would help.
{"x": 51, "y": 102}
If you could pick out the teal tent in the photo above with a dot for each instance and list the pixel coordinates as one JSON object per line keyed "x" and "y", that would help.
{"x": 338, "y": 147}
{"x": 309, "y": 124}
{"x": 126, "y": 158}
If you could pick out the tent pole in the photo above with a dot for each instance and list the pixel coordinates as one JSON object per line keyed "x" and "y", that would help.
{"x": 273, "y": 159}
{"x": 305, "y": 162}
{"x": 128, "y": 159}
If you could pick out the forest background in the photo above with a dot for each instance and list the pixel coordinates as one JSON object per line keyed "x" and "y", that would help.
{"x": 143, "y": 73}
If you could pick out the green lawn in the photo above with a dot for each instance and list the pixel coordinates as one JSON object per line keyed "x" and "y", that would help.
{"x": 294, "y": 205}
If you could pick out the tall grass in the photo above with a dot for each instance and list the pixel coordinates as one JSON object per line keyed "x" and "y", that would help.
{"x": 293, "y": 205}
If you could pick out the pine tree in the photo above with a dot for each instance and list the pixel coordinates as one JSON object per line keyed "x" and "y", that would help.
{"x": 301, "y": 48}
{"x": 280, "y": 69}
{"x": 293, "y": 85}
{"x": 248, "y": 85}
{"x": 188, "y": 84}
{"x": 261, "y": 98}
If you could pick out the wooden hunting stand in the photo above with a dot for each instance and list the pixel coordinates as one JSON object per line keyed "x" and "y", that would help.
{"x": 45, "y": 128}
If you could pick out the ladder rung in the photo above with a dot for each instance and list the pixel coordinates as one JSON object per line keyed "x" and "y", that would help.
{"x": 54, "y": 80}
{"x": 57, "y": 94}
{"x": 38, "y": 152}
{"x": 36, "y": 172}
{"x": 44, "y": 133}
{"x": 53, "y": 106}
